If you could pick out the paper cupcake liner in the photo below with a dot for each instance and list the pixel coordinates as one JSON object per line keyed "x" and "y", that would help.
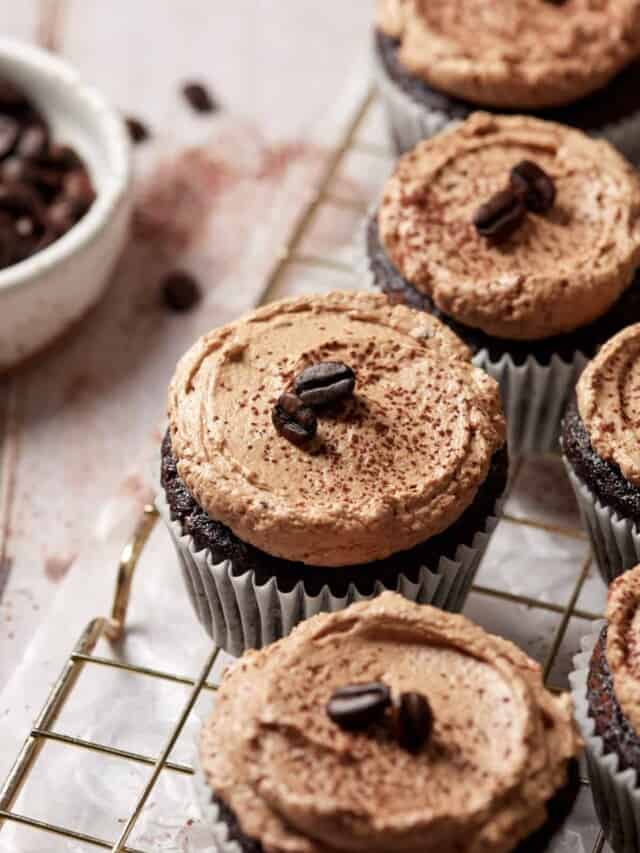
{"x": 615, "y": 540}
{"x": 238, "y": 613}
{"x": 615, "y": 795}
{"x": 211, "y": 812}
{"x": 409, "y": 121}
{"x": 534, "y": 395}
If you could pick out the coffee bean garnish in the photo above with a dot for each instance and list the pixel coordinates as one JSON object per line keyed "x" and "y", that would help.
{"x": 294, "y": 420}
{"x": 325, "y": 382}
{"x": 199, "y": 97}
{"x": 414, "y": 721}
{"x": 499, "y": 217}
{"x": 357, "y": 706}
{"x": 138, "y": 130}
{"x": 180, "y": 291}
{"x": 534, "y": 185}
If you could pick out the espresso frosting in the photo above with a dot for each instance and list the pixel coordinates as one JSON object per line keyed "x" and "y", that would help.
{"x": 393, "y": 466}
{"x": 558, "y": 271}
{"x": 517, "y": 54}
{"x": 623, "y": 643}
{"x": 608, "y": 393}
{"x": 298, "y": 783}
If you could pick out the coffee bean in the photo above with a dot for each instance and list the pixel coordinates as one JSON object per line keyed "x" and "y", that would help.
{"x": 11, "y": 96}
{"x": 138, "y": 131}
{"x": 414, "y": 721}
{"x": 534, "y": 185}
{"x": 294, "y": 420}
{"x": 61, "y": 216}
{"x": 180, "y": 291}
{"x": 78, "y": 189}
{"x": 9, "y": 130}
{"x": 326, "y": 382}
{"x": 499, "y": 217}
{"x": 33, "y": 142}
{"x": 62, "y": 157}
{"x": 199, "y": 97}
{"x": 356, "y": 706}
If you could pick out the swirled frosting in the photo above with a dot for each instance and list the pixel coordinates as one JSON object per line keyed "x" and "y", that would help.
{"x": 558, "y": 271}
{"x": 399, "y": 463}
{"x": 520, "y": 54}
{"x": 298, "y": 783}
{"x": 623, "y": 643}
{"x": 608, "y": 393}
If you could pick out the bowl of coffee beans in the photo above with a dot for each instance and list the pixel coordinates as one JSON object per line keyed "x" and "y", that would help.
{"x": 64, "y": 198}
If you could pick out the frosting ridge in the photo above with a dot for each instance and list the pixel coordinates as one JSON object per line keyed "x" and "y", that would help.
{"x": 298, "y": 783}
{"x": 623, "y": 647}
{"x": 519, "y": 54}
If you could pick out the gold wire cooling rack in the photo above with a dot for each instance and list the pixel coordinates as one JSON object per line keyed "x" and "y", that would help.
{"x": 113, "y": 627}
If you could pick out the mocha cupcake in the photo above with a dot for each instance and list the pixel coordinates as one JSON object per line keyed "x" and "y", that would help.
{"x": 574, "y": 62}
{"x": 524, "y": 237}
{"x": 385, "y": 471}
{"x": 601, "y": 446}
{"x": 606, "y": 692}
{"x": 388, "y": 726}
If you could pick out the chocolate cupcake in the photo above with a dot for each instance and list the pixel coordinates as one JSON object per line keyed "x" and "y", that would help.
{"x": 388, "y": 726}
{"x": 573, "y": 62}
{"x": 606, "y": 692}
{"x": 524, "y": 237}
{"x": 601, "y": 446}
{"x": 321, "y": 450}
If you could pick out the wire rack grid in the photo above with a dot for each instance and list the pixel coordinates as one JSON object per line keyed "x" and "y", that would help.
{"x": 113, "y": 627}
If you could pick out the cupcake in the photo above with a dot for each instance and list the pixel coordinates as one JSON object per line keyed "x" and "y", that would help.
{"x": 574, "y": 62}
{"x": 524, "y": 237}
{"x": 601, "y": 447}
{"x": 387, "y": 726}
{"x": 323, "y": 449}
{"x": 606, "y": 692}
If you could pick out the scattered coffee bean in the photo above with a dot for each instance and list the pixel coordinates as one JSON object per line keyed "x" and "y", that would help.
{"x": 414, "y": 721}
{"x": 180, "y": 291}
{"x": 138, "y": 130}
{"x": 326, "y": 382}
{"x": 534, "y": 185}
{"x": 294, "y": 420}
{"x": 199, "y": 97}
{"x": 499, "y": 217}
{"x": 356, "y": 706}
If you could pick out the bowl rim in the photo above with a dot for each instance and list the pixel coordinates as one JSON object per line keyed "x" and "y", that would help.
{"x": 117, "y": 146}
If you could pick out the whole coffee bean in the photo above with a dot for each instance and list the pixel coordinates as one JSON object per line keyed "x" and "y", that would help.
{"x": 180, "y": 291}
{"x": 199, "y": 97}
{"x": 60, "y": 216}
{"x": 33, "y": 141}
{"x": 294, "y": 420}
{"x": 499, "y": 217}
{"x": 62, "y": 157}
{"x": 326, "y": 382}
{"x": 9, "y": 130}
{"x": 78, "y": 188}
{"x": 21, "y": 198}
{"x": 138, "y": 131}
{"x": 534, "y": 185}
{"x": 357, "y": 706}
{"x": 414, "y": 720}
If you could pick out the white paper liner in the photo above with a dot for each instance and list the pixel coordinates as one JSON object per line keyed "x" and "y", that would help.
{"x": 534, "y": 396}
{"x": 409, "y": 122}
{"x": 615, "y": 795}
{"x": 240, "y": 614}
{"x": 615, "y": 540}
{"x": 211, "y": 812}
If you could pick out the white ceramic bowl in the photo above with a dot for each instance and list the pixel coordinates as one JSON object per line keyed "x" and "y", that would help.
{"x": 43, "y": 295}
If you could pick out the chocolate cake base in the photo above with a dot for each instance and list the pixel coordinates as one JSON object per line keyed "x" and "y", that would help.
{"x": 558, "y": 808}
{"x": 225, "y": 545}
{"x": 586, "y": 339}
{"x": 603, "y": 478}
{"x": 617, "y": 102}
{"x": 611, "y": 725}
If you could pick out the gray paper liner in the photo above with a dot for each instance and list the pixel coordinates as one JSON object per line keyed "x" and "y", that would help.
{"x": 409, "y": 122}
{"x": 534, "y": 396}
{"x": 240, "y": 614}
{"x": 615, "y": 540}
{"x": 615, "y": 795}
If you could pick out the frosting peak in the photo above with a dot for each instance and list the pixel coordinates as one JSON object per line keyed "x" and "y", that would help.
{"x": 388, "y": 469}
{"x": 558, "y": 271}
{"x": 298, "y": 783}
{"x": 623, "y": 643}
{"x": 520, "y": 54}
{"x": 608, "y": 394}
